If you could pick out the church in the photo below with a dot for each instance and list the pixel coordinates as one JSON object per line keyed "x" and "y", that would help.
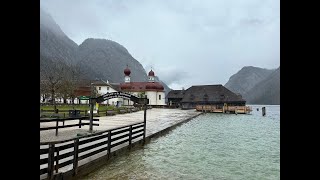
{"x": 154, "y": 91}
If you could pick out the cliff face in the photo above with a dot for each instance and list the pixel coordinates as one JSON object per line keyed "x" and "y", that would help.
{"x": 246, "y": 78}
{"x": 267, "y": 91}
{"x": 256, "y": 85}
{"x": 109, "y": 59}
{"x": 97, "y": 58}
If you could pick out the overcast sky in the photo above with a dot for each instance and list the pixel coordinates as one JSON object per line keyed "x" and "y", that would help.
{"x": 187, "y": 42}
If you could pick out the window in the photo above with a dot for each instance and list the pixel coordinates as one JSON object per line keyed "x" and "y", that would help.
{"x": 159, "y": 97}
{"x": 108, "y": 88}
{"x": 99, "y": 88}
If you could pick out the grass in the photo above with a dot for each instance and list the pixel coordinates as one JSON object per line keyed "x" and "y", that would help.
{"x": 81, "y": 107}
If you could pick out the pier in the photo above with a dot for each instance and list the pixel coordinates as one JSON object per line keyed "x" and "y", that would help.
{"x": 224, "y": 109}
{"x": 75, "y": 151}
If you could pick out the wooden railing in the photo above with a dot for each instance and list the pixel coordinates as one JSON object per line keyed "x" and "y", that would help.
{"x": 213, "y": 108}
{"x": 56, "y": 127}
{"x": 59, "y": 154}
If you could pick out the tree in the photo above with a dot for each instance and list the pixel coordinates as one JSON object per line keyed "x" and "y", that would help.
{"x": 52, "y": 71}
{"x": 70, "y": 82}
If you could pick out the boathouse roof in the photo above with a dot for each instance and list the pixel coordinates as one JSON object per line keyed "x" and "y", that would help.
{"x": 176, "y": 94}
{"x": 211, "y": 93}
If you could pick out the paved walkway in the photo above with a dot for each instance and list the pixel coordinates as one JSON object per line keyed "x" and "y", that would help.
{"x": 157, "y": 120}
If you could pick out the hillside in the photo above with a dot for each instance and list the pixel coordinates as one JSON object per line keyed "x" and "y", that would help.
{"x": 266, "y": 91}
{"x": 97, "y": 58}
{"x": 256, "y": 85}
{"x": 246, "y": 78}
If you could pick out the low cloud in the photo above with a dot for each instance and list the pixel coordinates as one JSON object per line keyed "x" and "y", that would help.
{"x": 187, "y": 42}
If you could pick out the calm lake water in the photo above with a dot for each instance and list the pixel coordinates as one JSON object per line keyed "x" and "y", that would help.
{"x": 211, "y": 146}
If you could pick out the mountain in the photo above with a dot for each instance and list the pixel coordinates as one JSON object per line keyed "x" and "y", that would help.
{"x": 256, "y": 85}
{"x": 246, "y": 78}
{"x": 267, "y": 91}
{"x": 53, "y": 42}
{"x": 109, "y": 59}
{"x": 97, "y": 58}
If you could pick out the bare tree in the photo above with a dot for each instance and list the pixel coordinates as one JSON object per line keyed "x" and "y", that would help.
{"x": 70, "y": 82}
{"x": 52, "y": 72}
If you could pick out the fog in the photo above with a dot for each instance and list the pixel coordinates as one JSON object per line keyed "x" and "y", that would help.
{"x": 186, "y": 42}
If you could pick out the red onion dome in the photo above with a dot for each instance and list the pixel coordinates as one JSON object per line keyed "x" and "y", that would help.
{"x": 151, "y": 73}
{"x": 127, "y": 71}
{"x": 151, "y": 85}
{"x": 159, "y": 86}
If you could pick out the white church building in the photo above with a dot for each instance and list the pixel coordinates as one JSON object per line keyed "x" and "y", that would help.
{"x": 154, "y": 91}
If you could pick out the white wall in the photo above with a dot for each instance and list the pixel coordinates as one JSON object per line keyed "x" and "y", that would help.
{"x": 105, "y": 90}
{"x": 151, "y": 96}
{"x": 154, "y": 98}
{"x": 161, "y": 101}
{"x": 128, "y": 102}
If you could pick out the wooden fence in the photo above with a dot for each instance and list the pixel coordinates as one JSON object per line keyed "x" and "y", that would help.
{"x": 59, "y": 154}
{"x": 224, "y": 109}
{"x": 57, "y": 126}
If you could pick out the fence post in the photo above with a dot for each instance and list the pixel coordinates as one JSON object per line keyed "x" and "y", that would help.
{"x": 57, "y": 160}
{"x": 130, "y": 136}
{"x": 145, "y": 121}
{"x": 51, "y": 161}
{"x": 79, "y": 122}
{"x": 57, "y": 127}
{"x": 92, "y": 101}
{"x": 75, "y": 156}
{"x": 109, "y": 143}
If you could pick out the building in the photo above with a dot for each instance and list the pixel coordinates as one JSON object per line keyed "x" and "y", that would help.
{"x": 103, "y": 87}
{"x": 175, "y": 97}
{"x": 154, "y": 91}
{"x": 216, "y": 95}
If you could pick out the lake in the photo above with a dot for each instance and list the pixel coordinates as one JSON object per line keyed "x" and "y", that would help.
{"x": 210, "y": 146}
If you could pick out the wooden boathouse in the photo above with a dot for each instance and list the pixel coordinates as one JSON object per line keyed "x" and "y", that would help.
{"x": 209, "y": 98}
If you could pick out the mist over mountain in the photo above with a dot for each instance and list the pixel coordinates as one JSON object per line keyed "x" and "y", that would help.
{"x": 53, "y": 42}
{"x": 246, "y": 78}
{"x": 267, "y": 91}
{"x": 256, "y": 85}
{"x": 97, "y": 58}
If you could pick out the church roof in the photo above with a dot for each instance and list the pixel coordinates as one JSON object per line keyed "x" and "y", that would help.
{"x": 141, "y": 86}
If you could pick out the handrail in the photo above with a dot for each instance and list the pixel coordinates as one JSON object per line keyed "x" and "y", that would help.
{"x": 58, "y": 153}
{"x": 88, "y": 135}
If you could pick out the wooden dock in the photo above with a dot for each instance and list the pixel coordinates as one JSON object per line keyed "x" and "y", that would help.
{"x": 224, "y": 109}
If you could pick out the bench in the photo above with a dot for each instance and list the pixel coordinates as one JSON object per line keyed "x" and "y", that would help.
{"x": 110, "y": 113}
